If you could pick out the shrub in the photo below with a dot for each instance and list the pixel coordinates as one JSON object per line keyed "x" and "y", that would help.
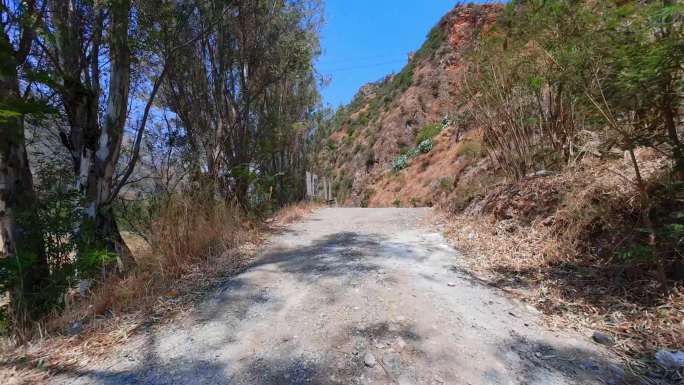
{"x": 425, "y": 146}
{"x": 400, "y": 163}
{"x": 363, "y": 121}
{"x": 428, "y": 132}
{"x": 412, "y": 153}
{"x": 469, "y": 148}
{"x": 446, "y": 183}
{"x": 367, "y": 194}
{"x": 370, "y": 159}
{"x": 434, "y": 40}
{"x": 396, "y": 202}
{"x": 189, "y": 229}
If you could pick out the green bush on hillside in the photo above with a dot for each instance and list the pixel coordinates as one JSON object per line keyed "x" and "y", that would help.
{"x": 428, "y": 132}
{"x": 425, "y": 146}
{"x": 400, "y": 163}
{"x": 470, "y": 149}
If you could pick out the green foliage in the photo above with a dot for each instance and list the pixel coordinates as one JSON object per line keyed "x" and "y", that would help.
{"x": 51, "y": 226}
{"x": 672, "y": 232}
{"x": 94, "y": 260}
{"x": 636, "y": 253}
{"x": 400, "y": 163}
{"x": 435, "y": 39}
{"x": 396, "y": 202}
{"x": 407, "y": 153}
{"x": 412, "y": 152}
{"x": 620, "y": 83}
{"x": 362, "y": 121}
{"x": 428, "y": 131}
{"x": 425, "y": 146}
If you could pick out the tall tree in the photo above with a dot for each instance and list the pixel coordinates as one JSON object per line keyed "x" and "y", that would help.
{"x": 95, "y": 64}
{"x": 78, "y": 36}
{"x": 21, "y": 251}
{"x": 241, "y": 102}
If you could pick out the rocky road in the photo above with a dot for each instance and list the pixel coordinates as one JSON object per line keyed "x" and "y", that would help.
{"x": 356, "y": 296}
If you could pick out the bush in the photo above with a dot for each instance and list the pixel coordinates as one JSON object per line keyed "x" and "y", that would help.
{"x": 425, "y": 146}
{"x": 370, "y": 159}
{"x": 428, "y": 132}
{"x": 469, "y": 148}
{"x": 185, "y": 229}
{"x": 367, "y": 194}
{"x": 434, "y": 41}
{"x": 400, "y": 163}
{"x": 49, "y": 225}
{"x": 446, "y": 183}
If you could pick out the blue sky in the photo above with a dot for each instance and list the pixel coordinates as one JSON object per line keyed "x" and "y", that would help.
{"x": 364, "y": 40}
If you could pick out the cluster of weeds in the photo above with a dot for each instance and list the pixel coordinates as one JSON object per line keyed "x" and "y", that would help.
{"x": 469, "y": 148}
{"x": 446, "y": 183}
{"x": 428, "y": 131}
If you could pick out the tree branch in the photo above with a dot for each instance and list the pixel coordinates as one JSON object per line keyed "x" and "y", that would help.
{"x": 138, "y": 138}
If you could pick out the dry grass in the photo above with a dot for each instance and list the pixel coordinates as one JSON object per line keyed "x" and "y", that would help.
{"x": 192, "y": 243}
{"x": 294, "y": 212}
{"x": 544, "y": 241}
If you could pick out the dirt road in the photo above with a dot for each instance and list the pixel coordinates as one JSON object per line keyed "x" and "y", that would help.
{"x": 356, "y": 296}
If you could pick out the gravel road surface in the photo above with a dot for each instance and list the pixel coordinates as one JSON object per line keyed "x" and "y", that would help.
{"x": 355, "y": 296}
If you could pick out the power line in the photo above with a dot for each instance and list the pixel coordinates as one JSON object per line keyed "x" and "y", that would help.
{"x": 343, "y": 69}
{"x": 327, "y": 61}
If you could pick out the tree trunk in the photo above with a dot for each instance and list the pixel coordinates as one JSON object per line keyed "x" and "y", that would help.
{"x": 100, "y": 177}
{"x": 671, "y": 130}
{"x": 21, "y": 246}
{"x": 94, "y": 140}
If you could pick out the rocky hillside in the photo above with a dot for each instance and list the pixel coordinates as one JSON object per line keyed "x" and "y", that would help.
{"x": 514, "y": 123}
{"x": 379, "y": 132}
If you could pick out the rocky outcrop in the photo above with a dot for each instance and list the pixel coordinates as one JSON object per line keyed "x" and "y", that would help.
{"x": 385, "y": 117}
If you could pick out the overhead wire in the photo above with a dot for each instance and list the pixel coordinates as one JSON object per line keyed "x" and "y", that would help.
{"x": 370, "y": 65}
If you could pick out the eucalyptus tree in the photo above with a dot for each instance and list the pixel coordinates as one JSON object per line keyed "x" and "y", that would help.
{"x": 245, "y": 93}
{"x": 99, "y": 53}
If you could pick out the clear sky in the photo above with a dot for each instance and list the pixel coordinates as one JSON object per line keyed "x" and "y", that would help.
{"x": 364, "y": 40}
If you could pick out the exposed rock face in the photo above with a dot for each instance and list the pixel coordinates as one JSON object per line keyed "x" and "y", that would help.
{"x": 385, "y": 117}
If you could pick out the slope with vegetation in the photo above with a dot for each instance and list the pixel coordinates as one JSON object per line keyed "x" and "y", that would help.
{"x": 549, "y": 135}
{"x": 140, "y": 143}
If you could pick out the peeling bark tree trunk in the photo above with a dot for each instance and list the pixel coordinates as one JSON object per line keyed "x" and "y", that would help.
{"x": 94, "y": 142}
{"x": 106, "y": 155}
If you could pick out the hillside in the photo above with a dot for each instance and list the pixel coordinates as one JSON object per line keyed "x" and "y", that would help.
{"x": 385, "y": 118}
{"x": 552, "y": 153}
